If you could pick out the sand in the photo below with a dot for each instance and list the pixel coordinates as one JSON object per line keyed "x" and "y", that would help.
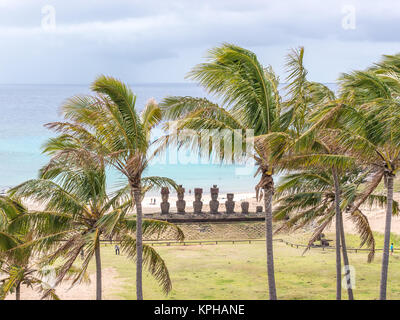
{"x": 376, "y": 218}
{"x": 83, "y": 291}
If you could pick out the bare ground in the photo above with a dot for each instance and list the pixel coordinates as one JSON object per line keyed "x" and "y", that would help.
{"x": 82, "y": 291}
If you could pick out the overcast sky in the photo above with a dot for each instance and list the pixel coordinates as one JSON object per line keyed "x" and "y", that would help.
{"x": 72, "y": 41}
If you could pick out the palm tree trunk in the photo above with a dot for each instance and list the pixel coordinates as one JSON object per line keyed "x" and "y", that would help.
{"x": 337, "y": 218}
{"x": 139, "y": 244}
{"x": 268, "y": 191}
{"x": 346, "y": 260}
{"x": 18, "y": 292}
{"x": 385, "y": 256}
{"x": 342, "y": 235}
{"x": 98, "y": 272}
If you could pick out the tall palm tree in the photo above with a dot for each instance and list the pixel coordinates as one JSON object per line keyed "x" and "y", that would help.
{"x": 109, "y": 125}
{"x": 307, "y": 197}
{"x": 319, "y": 155}
{"x": 373, "y": 132}
{"x": 250, "y": 99}
{"x": 77, "y": 216}
{"x": 316, "y": 146}
{"x": 309, "y": 145}
{"x": 18, "y": 265}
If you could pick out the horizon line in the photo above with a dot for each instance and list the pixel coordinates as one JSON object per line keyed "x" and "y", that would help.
{"x": 130, "y": 84}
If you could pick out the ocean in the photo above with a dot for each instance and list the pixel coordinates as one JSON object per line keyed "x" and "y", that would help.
{"x": 24, "y": 109}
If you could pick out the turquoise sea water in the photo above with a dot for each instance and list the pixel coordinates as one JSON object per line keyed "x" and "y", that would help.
{"x": 24, "y": 109}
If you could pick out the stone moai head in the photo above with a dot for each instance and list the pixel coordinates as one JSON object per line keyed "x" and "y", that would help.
{"x": 164, "y": 194}
{"x": 181, "y": 192}
{"x": 197, "y": 194}
{"x": 245, "y": 206}
{"x": 164, "y": 204}
{"x": 229, "y": 203}
{"x": 214, "y": 192}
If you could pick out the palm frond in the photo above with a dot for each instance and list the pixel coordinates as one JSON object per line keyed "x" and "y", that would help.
{"x": 155, "y": 264}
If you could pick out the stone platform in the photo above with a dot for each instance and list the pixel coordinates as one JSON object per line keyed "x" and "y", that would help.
{"x": 190, "y": 217}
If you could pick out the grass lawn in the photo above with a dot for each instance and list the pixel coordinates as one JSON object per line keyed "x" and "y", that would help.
{"x": 238, "y": 271}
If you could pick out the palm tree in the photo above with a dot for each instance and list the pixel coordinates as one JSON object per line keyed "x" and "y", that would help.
{"x": 310, "y": 144}
{"x": 77, "y": 216}
{"x": 17, "y": 259}
{"x": 108, "y": 125}
{"x": 319, "y": 154}
{"x": 373, "y": 131}
{"x": 250, "y": 99}
{"x": 316, "y": 147}
{"x": 307, "y": 197}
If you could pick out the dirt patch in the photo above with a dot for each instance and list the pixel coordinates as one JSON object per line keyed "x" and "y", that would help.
{"x": 82, "y": 291}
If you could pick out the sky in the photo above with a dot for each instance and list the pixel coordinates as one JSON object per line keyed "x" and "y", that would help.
{"x": 150, "y": 41}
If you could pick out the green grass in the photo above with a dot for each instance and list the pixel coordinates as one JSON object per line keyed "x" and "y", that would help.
{"x": 238, "y": 271}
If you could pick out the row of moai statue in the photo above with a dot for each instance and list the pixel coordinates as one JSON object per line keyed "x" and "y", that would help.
{"x": 198, "y": 204}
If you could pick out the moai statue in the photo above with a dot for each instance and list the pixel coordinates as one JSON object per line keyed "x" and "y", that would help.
{"x": 197, "y": 203}
{"x": 214, "y": 203}
{"x": 230, "y": 204}
{"x": 245, "y": 207}
{"x": 181, "y": 204}
{"x": 164, "y": 200}
{"x": 259, "y": 209}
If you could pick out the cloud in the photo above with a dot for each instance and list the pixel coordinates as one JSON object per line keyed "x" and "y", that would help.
{"x": 123, "y": 36}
